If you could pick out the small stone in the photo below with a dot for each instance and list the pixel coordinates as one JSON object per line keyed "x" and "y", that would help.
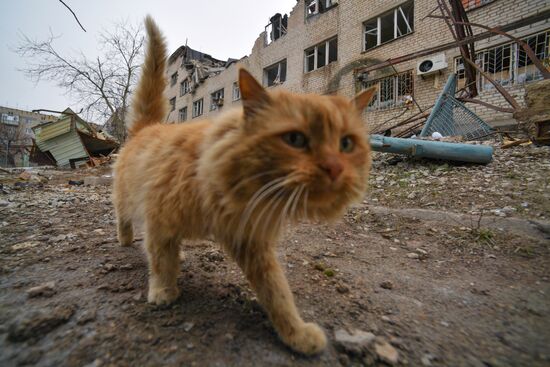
{"x": 43, "y": 290}
{"x": 137, "y": 296}
{"x": 353, "y": 342}
{"x": 386, "y": 353}
{"x": 86, "y": 316}
{"x": 413, "y": 255}
{"x": 38, "y": 324}
{"x": 187, "y": 326}
{"x": 386, "y": 284}
{"x": 342, "y": 288}
{"x": 189, "y": 346}
{"x": 109, "y": 267}
{"x": 24, "y": 245}
{"x": 427, "y": 360}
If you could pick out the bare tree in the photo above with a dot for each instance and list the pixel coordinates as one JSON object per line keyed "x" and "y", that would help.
{"x": 102, "y": 86}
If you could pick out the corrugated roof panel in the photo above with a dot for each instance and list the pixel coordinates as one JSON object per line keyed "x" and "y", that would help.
{"x": 64, "y": 147}
{"x": 54, "y": 129}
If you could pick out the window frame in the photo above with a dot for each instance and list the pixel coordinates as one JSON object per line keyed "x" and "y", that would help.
{"x": 315, "y": 55}
{"x": 236, "y": 95}
{"x": 378, "y": 29}
{"x": 375, "y": 104}
{"x": 215, "y": 97}
{"x": 199, "y": 102}
{"x": 328, "y": 4}
{"x": 173, "y": 79}
{"x": 266, "y": 73}
{"x": 519, "y": 61}
{"x": 184, "y": 87}
{"x": 184, "y": 110}
{"x": 172, "y": 102}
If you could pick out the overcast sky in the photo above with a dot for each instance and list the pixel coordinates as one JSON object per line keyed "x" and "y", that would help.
{"x": 220, "y": 28}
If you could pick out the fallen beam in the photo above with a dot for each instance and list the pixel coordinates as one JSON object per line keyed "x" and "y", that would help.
{"x": 458, "y": 152}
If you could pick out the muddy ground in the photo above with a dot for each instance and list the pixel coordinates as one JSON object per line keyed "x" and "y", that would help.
{"x": 447, "y": 265}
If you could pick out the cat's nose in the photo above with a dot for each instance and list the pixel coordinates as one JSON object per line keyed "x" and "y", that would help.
{"x": 332, "y": 167}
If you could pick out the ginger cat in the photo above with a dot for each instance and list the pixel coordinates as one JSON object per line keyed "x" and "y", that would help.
{"x": 238, "y": 177}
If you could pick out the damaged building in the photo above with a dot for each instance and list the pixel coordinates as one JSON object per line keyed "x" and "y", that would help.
{"x": 70, "y": 141}
{"x": 329, "y": 46}
{"x": 16, "y": 135}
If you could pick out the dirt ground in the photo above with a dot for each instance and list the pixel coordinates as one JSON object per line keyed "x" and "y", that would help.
{"x": 446, "y": 265}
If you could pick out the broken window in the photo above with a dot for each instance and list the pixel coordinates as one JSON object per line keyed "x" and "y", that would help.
{"x": 389, "y": 26}
{"x": 197, "y": 108}
{"x": 184, "y": 87}
{"x": 320, "y": 55}
{"x": 183, "y": 114}
{"x": 174, "y": 79}
{"x": 318, "y": 6}
{"x": 236, "y": 92}
{"x": 216, "y": 100}
{"x": 276, "y": 28}
{"x": 275, "y": 74}
{"x": 508, "y": 64}
{"x": 392, "y": 91}
{"x": 172, "y": 104}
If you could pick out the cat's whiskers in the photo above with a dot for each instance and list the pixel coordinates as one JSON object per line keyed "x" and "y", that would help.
{"x": 305, "y": 204}
{"x": 258, "y": 196}
{"x": 296, "y": 201}
{"x": 271, "y": 205}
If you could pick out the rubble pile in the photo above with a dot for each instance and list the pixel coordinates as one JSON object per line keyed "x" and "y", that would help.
{"x": 515, "y": 183}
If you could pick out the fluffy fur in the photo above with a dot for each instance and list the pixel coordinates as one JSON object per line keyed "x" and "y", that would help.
{"x": 238, "y": 178}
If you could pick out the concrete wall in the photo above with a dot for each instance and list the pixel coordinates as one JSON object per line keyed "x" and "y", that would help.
{"x": 346, "y": 21}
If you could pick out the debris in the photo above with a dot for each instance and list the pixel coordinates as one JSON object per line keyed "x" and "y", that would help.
{"x": 386, "y": 284}
{"x": 98, "y": 180}
{"x": 38, "y": 324}
{"x": 516, "y": 143}
{"x": 413, "y": 255}
{"x": 76, "y": 182}
{"x": 43, "y": 290}
{"x": 386, "y": 353}
{"x": 86, "y": 144}
{"x": 436, "y": 135}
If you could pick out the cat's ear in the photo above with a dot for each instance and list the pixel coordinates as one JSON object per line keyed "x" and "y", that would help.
{"x": 363, "y": 99}
{"x": 254, "y": 96}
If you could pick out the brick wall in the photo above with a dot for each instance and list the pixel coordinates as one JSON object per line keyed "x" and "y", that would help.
{"x": 346, "y": 21}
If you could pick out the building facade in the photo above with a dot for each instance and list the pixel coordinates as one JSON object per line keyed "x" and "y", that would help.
{"x": 325, "y": 46}
{"x": 16, "y": 135}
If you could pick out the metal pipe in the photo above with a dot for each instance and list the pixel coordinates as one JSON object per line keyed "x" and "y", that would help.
{"x": 458, "y": 152}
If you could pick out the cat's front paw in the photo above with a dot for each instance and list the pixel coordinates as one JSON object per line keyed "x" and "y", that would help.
{"x": 162, "y": 296}
{"x": 309, "y": 339}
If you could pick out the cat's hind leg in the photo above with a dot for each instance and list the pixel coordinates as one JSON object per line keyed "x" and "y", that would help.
{"x": 164, "y": 265}
{"x": 125, "y": 231}
{"x": 269, "y": 282}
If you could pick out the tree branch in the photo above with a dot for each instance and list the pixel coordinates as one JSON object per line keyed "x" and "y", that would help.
{"x": 74, "y": 15}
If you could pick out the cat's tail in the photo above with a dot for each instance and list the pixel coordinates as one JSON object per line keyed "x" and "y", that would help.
{"x": 149, "y": 106}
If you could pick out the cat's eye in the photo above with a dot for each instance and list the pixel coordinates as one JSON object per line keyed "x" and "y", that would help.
{"x": 295, "y": 139}
{"x": 347, "y": 144}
